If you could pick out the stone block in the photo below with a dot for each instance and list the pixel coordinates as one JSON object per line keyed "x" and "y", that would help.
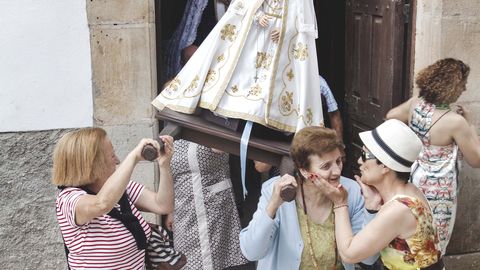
{"x": 461, "y": 39}
{"x": 463, "y": 262}
{"x": 125, "y": 137}
{"x": 427, "y": 41}
{"x": 461, "y": 8}
{"x": 120, "y": 11}
{"x": 465, "y": 237}
{"x": 124, "y": 77}
{"x": 430, "y": 7}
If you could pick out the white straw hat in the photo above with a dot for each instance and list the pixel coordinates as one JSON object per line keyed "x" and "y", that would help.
{"x": 394, "y": 144}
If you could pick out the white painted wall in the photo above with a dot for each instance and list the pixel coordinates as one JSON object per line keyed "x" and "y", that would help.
{"x": 45, "y": 65}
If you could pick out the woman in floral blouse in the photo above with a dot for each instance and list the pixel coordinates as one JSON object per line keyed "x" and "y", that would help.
{"x": 403, "y": 230}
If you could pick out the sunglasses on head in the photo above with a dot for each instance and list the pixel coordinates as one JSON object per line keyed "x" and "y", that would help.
{"x": 367, "y": 155}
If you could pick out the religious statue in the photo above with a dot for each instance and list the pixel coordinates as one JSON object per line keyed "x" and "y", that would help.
{"x": 259, "y": 63}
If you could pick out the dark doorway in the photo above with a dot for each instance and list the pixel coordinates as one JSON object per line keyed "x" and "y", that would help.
{"x": 364, "y": 50}
{"x": 330, "y": 48}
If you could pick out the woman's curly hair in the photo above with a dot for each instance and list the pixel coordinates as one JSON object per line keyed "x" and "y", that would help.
{"x": 443, "y": 82}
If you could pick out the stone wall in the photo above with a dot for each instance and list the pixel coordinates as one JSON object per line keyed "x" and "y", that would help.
{"x": 122, "y": 40}
{"x": 452, "y": 29}
{"x": 29, "y": 233}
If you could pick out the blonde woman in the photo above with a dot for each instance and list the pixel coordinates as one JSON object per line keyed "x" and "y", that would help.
{"x": 98, "y": 207}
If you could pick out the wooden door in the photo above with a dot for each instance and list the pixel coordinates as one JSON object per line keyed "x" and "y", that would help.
{"x": 375, "y": 66}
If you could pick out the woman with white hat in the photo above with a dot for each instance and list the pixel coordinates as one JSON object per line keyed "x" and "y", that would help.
{"x": 403, "y": 230}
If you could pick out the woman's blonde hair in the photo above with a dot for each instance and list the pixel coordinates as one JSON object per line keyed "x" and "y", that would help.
{"x": 78, "y": 158}
{"x": 443, "y": 82}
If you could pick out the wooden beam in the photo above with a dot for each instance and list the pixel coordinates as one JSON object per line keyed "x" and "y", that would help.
{"x": 198, "y": 130}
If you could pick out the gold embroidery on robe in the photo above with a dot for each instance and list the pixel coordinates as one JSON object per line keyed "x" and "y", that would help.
{"x": 211, "y": 76}
{"x": 309, "y": 116}
{"x": 193, "y": 85}
{"x": 255, "y": 90}
{"x": 239, "y": 6}
{"x": 173, "y": 86}
{"x": 229, "y": 32}
{"x": 287, "y": 102}
{"x": 220, "y": 58}
{"x": 264, "y": 60}
{"x": 290, "y": 75}
{"x": 300, "y": 51}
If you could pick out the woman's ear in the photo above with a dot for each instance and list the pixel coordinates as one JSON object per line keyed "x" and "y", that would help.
{"x": 385, "y": 169}
{"x": 304, "y": 173}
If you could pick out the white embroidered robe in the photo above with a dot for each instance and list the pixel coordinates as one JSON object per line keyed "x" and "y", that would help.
{"x": 239, "y": 72}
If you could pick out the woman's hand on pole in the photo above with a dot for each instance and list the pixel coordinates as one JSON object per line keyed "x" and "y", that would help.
{"x": 276, "y": 199}
{"x": 165, "y": 156}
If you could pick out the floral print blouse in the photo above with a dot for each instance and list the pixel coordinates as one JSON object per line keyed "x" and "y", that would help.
{"x": 420, "y": 250}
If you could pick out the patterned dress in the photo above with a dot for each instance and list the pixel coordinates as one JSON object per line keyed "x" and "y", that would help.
{"x": 206, "y": 223}
{"x": 435, "y": 173}
{"x": 420, "y": 250}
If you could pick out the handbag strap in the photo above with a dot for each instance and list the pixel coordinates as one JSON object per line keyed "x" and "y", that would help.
{"x": 426, "y": 132}
{"x": 66, "y": 252}
{"x": 126, "y": 217}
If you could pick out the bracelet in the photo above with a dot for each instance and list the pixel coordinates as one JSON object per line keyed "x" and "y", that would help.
{"x": 340, "y": 206}
{"x": 371, "y": 211}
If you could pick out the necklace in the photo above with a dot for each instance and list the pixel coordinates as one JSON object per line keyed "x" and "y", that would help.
{"x": 309, "y": 236}
{"x": 442, "y": 106}
{"x": 310, "y": 246}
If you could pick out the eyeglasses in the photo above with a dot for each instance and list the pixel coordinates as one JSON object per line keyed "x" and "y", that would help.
{"x": 367, "y": 156}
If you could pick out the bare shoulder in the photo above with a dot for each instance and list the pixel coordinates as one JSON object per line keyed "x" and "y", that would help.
{"x": 395, "y": 212}
{"x": 394, "y": 207}
{"x": 453, "y": 121}
{"x": 400, "y": 213}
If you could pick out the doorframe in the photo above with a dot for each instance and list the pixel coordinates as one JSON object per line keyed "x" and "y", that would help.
{"x": 409, "y": 73}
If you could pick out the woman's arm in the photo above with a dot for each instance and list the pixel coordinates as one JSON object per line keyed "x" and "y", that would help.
{"x": 392, "y": 221}
{"x": 161, "y": 202}
{"x": 402, "y": 111}
{"x": 257, "y": 239}
{"x": 466, "y": 137}
{"x": 89, "y": 207}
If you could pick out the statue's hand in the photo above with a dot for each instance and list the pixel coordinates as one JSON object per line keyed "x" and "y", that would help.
{"x": 264, "y": 20}
{"x": 275, "y": 35}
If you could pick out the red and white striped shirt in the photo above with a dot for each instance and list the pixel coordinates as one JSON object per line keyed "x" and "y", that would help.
{"x": 104, "y": 242}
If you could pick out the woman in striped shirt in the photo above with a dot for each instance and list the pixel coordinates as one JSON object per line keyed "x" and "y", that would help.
{"x": 98, "y": 207}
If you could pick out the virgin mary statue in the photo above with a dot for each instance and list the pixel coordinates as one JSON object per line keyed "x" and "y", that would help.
{"x": 259, "y": 64}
